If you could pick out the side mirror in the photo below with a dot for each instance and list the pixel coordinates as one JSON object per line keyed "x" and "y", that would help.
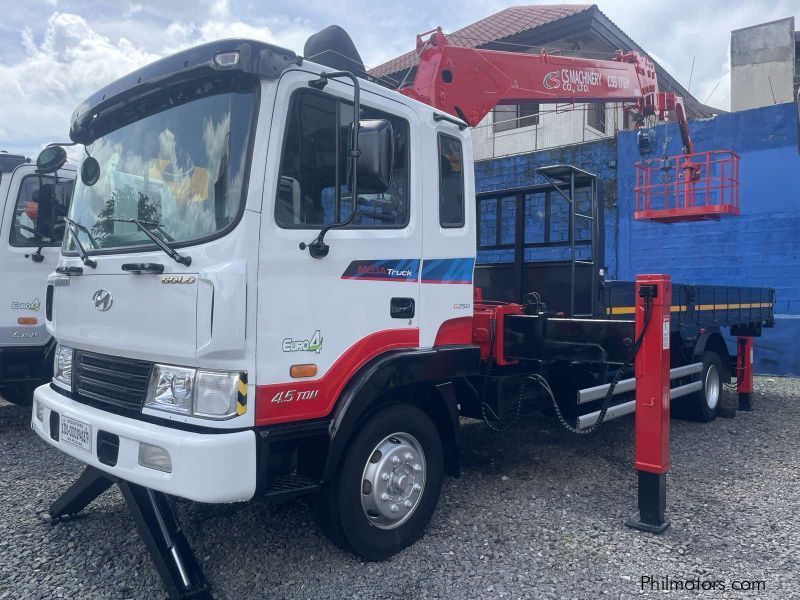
{"x": 90, "y": 171}
{"x": 376, "y": 159}
{"x": 51, "y": 159}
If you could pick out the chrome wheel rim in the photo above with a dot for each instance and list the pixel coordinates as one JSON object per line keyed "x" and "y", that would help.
{"x": 712, "y": 387}
{"x": 393, "y": 480}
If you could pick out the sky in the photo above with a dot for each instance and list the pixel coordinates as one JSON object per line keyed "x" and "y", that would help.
{"x": 55, "y": 53}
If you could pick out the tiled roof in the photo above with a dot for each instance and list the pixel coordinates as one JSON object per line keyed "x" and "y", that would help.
{"x": 498, "y": 26}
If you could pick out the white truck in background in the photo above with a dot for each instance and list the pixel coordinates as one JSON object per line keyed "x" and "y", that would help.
{"x": 31, "y": 229}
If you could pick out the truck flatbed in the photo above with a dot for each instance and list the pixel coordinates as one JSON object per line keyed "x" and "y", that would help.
{"x": 606, "y": 337}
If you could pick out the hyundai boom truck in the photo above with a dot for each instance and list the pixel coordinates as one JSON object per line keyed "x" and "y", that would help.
{"x": 268, "y": 288}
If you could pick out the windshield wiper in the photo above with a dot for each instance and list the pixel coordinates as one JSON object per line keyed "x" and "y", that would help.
{"x": 173, "y": 254}
{"x": 75, "y": 226}
{"x": 84, "y": 229}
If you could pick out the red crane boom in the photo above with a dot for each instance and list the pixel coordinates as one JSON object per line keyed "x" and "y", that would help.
{"x": 469, "y": 82}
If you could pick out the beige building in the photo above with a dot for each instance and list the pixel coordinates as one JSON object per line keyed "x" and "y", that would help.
{"x": 764, "y": 64}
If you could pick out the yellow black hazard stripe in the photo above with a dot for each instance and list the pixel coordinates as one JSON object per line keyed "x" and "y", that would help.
{"x": 629, "y": 310}
{"x": 241, "y": 394}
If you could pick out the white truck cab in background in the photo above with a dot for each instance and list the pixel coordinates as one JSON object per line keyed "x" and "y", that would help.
{"x": 31, "y": 229}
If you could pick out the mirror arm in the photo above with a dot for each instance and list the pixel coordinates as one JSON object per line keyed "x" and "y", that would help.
{"x": 318, "y": 248}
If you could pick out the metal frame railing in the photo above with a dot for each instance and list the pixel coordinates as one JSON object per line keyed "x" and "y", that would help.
{"x": 686, "y": 187}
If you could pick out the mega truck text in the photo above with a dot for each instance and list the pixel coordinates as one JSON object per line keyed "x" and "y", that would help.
{"x": 268, "y": 287}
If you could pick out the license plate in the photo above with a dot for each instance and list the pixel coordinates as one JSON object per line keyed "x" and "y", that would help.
{"x": 76, "y": 433}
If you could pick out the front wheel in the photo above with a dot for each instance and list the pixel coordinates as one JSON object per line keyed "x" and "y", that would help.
{"x": 387, "y": 484}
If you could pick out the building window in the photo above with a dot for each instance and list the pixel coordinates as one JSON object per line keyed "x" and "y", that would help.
{"x": 596, "y": 116}
{"x": 513, "y": 116}
{"x": 451, "y": 182}
{"x": 628, "y": 120}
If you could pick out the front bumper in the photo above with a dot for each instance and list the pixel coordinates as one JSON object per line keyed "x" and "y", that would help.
{"x": 206, "y": 467}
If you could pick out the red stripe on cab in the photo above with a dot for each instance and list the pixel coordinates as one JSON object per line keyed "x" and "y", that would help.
{"x": 310, "y": 399}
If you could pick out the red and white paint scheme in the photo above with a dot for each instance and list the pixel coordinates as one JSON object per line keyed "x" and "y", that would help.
{"x": 253, "y": 311}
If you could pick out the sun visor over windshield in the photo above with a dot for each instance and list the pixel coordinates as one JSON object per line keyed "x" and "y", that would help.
{"x": 240, "y": 56}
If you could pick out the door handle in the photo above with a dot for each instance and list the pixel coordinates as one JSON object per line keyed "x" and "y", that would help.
{"x": 401, "y": 308}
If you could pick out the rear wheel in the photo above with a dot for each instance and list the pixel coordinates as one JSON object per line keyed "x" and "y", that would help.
{"x": 387, "y": 484}
{"x": 703, "y": 405}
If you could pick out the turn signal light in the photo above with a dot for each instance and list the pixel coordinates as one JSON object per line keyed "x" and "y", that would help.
{"x": 298, "y": 371}
{"x": 27, "y": 321}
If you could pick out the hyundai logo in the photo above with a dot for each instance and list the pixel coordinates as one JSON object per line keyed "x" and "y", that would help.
{"x": 102, "y": 300}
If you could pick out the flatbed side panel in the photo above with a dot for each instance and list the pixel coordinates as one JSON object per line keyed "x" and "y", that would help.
{"x": 698, "y": 305}
{"x": 727, "y": 305}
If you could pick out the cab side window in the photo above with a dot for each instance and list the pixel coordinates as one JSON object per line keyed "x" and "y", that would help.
{"x": 38, "y": 214}
{"x": 451, "y": 182}
{"x": 313, "y": 186}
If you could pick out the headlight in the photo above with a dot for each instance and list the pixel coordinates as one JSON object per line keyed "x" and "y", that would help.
{"x": 171, "y": 389}
{"x": 194, "y": 392}
{"x": 62, "y": 365}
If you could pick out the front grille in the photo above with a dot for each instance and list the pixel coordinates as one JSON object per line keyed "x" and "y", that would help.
{"x": 110, "y": 380}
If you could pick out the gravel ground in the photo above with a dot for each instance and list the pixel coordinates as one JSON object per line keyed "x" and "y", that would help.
{"x": 537, "y": 513}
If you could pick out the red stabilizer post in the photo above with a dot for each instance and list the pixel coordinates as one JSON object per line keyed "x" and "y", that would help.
{"x": 744, "y": 372}
{"x": 651, "y": 457}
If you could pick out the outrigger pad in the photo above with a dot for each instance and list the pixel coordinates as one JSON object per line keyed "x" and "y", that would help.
{"x": 92, "y": 483}
{"x": 652, "y": 503}
{"x": 157, "y": 525}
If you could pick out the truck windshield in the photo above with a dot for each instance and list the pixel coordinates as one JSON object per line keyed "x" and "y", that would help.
{"x": 179, "y": 171}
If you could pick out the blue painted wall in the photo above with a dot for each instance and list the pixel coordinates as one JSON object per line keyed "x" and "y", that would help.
{"x": 761, "y": 247}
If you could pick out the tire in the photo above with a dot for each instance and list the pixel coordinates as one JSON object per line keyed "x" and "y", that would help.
{"x": 703, "y": 405}
{"x": 398, "y": 431}
{"x": 21, "y": 395}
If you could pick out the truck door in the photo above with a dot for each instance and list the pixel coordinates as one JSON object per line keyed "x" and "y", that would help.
{"x": 449, "y": 238}
{"x": 34, "y": 205}
{"x": 321, "y": 320}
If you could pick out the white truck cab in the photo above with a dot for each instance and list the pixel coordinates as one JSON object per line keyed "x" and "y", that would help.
{"x": 211, "y": 344}
{"x": 31, "y": 207}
